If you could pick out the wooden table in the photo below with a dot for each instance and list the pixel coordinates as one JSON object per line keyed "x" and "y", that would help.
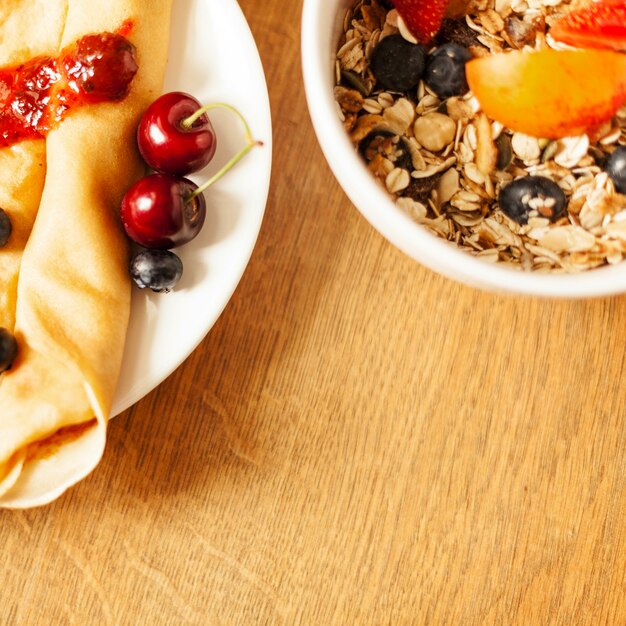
{"x": 358, "y": 441}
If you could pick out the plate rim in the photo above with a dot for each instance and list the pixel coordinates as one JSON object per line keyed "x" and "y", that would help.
{"x": 142, "y": 389}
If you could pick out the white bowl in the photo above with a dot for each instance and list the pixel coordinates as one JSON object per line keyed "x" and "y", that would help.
{"x": 321, "y": 28}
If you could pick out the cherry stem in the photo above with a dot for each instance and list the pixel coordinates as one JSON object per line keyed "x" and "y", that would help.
{"x": 250, "y": 143}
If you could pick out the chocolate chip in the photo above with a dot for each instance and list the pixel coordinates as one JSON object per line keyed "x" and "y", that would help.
{"x": 419, "y": 189}
{"x": 456, "y": 31}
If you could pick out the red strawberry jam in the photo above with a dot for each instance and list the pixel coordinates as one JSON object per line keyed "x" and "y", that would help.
{"x": 36, "y": 96}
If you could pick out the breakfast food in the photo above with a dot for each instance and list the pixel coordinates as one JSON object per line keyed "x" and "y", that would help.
{"x": 23, "y": 165}
{"x": 596, "y": 25}
{"x": 156, "y": 212}
{"x": 175, "y": 135}
{"x": 486, "y": 128}
{"x": 537, "y": 108}
{"x": 165, "y": 210}
{"x": 158, "y": 270}
{"x": 70, "y": 310}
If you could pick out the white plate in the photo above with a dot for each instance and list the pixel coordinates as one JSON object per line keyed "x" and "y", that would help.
{"x": 212, "y": 56}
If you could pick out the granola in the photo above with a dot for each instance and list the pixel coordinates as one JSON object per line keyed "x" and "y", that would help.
{"x": 444, "y": 162}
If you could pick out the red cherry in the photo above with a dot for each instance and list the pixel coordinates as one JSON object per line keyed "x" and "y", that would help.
{"x": 170, "y": 143}
{"x": 161, "y": 211}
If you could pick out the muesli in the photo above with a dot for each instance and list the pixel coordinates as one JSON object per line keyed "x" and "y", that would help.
{"x": 448, "y": 165}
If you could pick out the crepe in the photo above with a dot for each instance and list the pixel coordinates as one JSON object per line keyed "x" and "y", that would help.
{"x": 73, "y": 294}
{"x": 23, "y": 166}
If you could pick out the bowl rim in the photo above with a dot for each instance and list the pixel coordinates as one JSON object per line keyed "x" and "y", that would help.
{"x": 374, "y": 203}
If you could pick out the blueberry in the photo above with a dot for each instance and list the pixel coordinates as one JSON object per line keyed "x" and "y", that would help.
{"x": 615, "y": 167}
{"x": 537, "y": 193}
{"x": 397, "y": 64}
{"x": 158, "y": 270}
{"x": 8, "y": 349}
{"x": 445, "y": 70}
{"x": 5, "y": 228}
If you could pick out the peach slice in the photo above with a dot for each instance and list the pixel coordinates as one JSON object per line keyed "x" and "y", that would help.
{"x": 550, "y": 93}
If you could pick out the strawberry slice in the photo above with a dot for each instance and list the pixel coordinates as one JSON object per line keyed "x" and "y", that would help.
{"x": 422, "y": 17}
{"x": 598, "y": 25}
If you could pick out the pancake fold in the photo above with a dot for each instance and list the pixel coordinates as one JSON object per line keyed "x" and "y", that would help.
{"x": 70, "y": 284}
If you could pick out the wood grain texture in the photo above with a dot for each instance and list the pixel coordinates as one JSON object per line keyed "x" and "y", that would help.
{"x": 357, "y": 441}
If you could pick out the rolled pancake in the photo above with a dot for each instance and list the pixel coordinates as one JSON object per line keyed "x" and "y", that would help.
{"x": 73, "y": 299}
{"x": 23, "y": 166}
